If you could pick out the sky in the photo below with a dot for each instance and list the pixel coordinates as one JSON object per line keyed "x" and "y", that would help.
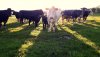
{"x": 42, "y": 4}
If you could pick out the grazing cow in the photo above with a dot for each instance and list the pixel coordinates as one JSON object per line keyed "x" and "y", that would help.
{"x": 31, "y": 15}
{"x": 53, "y": 15}
{"x": 4, "y": 15}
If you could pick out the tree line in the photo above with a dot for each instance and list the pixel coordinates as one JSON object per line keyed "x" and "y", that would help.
{"x": 96, "y": 9}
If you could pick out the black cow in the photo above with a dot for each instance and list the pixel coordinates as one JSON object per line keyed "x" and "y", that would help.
{"x": 77, "y": 14}
{"x": 4, "y": 15}
{"x": 67, "y": 14}
{"x": 31, "y": 15}
{"x": 17, "y": 15}
{"x": 44, "y": 21}
{"x": 85, "y": 14}
{"x": 74, "y": 14}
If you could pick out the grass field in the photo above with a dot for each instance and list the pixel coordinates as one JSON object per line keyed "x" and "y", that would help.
{"x": 71, "y": 40}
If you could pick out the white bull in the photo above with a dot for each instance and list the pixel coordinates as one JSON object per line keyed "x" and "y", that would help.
{"x": 53, "y": 15}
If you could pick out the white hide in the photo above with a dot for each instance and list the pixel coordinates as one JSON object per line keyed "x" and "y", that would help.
{"x": 55, "y": 14}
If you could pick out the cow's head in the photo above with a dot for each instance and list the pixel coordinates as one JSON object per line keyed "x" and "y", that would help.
{"x": 9, "y": 11}
{"x": 83, "y": 8}
{"x": 13, "y": 12}
{"x": 46, "y": 8}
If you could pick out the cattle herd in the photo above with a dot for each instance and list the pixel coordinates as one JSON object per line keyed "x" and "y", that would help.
{"x": 49, "y": 17}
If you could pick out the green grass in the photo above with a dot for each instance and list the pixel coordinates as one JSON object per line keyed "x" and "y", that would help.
{"x": 71, "y": 40}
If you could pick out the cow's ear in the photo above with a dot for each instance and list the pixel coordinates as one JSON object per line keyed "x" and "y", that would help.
{"x": 47, "y": 8}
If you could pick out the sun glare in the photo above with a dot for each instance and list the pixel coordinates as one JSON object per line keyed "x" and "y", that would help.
{"x": 41, "y": 4}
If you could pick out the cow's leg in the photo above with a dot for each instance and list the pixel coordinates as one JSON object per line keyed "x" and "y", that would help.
{"x": 73, "y": 20}
{"x": 62, "y": 20}
{"x": 36, "y": 24}
{"x": 54, "y": 28}
{"x": 84, "y": 19}
{"x": 43, "y": 26}
{"x": 57, "y": 21}
{"x": 21, "y": 20}
{"x": 33, "y": 22}
{"x": 79, "y": 19}
{"x": 46, "y": 26}
{"x": 49, "y": 25}
{"x": 49, "y": 29}
{"x": 18, "y": 19}
{"x": 0, "y": 24}
{"x": 25, "y": 20}
{"x": 29, "y": 22}
{"x": 67, "y": 19}
{"x": 5, "y": 23}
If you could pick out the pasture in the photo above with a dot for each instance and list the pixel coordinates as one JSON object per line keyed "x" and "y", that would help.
{"x": 70, "y": 40}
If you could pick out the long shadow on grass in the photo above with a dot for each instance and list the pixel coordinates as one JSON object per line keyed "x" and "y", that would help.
{"x": 85, "y": 35}
{"x": 94, "y": 22}
{"x": 87, "y": 31}
{"x": 94, "y": 26}
{"x": 85, "y": 44}
{"x": 12, "y": 41}
{"x": 28, "y": 42}
{"x": 11, "y": 25}
{"x": 50, "y": 44}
